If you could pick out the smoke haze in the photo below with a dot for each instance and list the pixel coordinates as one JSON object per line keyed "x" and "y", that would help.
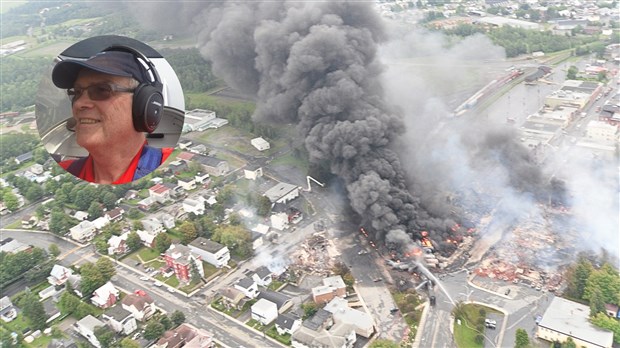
{"x": 379, "y": 127}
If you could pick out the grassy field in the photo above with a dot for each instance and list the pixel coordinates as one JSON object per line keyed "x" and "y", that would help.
{"x": 465, "y": 334}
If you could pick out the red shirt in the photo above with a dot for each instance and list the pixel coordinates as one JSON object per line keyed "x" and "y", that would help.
{"x": 88, "y": 170}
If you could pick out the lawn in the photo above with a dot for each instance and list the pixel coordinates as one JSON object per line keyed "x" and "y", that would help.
{"x": 273, "y": 333}
{"x": 465, "y": 334}
{"x": 146, "y": 255}
{"x": 209, "y": 269}
{"x": 255, "y": 324}
{"x": 292, "y": 161}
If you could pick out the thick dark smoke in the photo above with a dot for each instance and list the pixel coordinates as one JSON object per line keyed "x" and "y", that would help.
{"x": 316, "y": 64}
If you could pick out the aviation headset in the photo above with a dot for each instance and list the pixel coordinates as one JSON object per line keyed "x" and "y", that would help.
{"x": 148, "y": 100}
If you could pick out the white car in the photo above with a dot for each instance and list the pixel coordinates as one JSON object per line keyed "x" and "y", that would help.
{"x": 158, "y": 284}
{"x": 170, "y": 289}
{"x": 144, "y": 278}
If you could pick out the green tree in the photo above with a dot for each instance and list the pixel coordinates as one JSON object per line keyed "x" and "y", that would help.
{"x": 607, "y": 280}
{"x": 94, "y": 211}
{"x": 571, "y": 74}
{"x": 162, "y": 242}
{"x": 109, "y": 199}
{"x": 309, "y": 308}
{"x": 235, "y": 238}
{"x": 153, "y": 330}
{"x": 83, "y": 310}
{"x": 177, "y": 317}
{"x": 34, "y": 193}
{"x": 106, "y": 268}
{"x": 68, "y": 303}
{"x": 263, "y": 206}
{"x": 133, "y": 241}
{"x": 54, "y": 250}
{"x": 166, "y": 322}
{"x": 188, "y": 230}
{"x": 569, "y": 343}
{"x": 129, "y": 343}
{"x": 597, "y": 304}
{"x": 577, "y": 277}
{"x": 104, "y": 335}
{"x": 604, "y": 321}
{"x": 521, "y": 339}
{"x": 10, "y": 201}
{"x": 33, "y": 310}
{"x": 92, "y": 279}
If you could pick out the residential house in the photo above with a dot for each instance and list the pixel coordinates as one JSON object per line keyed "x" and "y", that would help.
{"x": 146, "y": 203}
{"x": 115, "y": 214}
{"x": 279, "y": 221}
{"x": 187, "y": 336}
{"x": 160, "y": 192}
{"x": 167, "y": 220}
{"x": 23, "y": 157}
{"x": 185, "y": 156}
{"x": 211, "y": 252}
{"x": 105, "y": 296}
{"x": 187, "y": 185}
{"x": 59, "y": 275}
{"x": 612, "y": 310}
{"x": 253, "y": 172}
{"x": 202, "y": 178}
{"x": 118, "y": 244}
{"x": 199, "y": 149}
{"x": 248, "y": 287}
{"x": 287, "y": 324}
{"x": 29, "y": 221}
{"x": 184, "y": 144}
{"x": 256, "y": 239}
{"x": 197, "y": 207}
{"x": 101, "y": 222}
{"x": 262, "y": 276}
{"x": 320, "y": 330}
{"x": 7, "y": 310}
{"x": 36, "y": 169}
{"x": 181, "y": 259}
{"x": 332, "y": 287}
{"x": 264, "y": 311}
{"x": 178, "y": 167}
{"x": 140, "y": 304}
{"x": 83, "y": 232}
{"x": 86, "y": 327}
{"x": 232, "y": 298}
{"x": 282, "y": 193}
{"x": 260, "y": 144}
{"x": 51, "y": 311}
{"x": 211, "y": 200}
{"x": 282, "y": 301}
{"x": 212, "y": 165}
{"x": 130, "y": 194}
{"x": 120, "y": 320}
{"x": 362, "y": 322}
{"x": 80, "y": 215}
{"x": 62, "y": 343}
{"x": 13, "y": 246}
{"x": 147, "y": 238}
{"x": 152, "y": 225}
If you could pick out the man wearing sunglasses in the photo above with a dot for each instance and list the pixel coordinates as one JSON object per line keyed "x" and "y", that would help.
{"x": 101, "y": 91}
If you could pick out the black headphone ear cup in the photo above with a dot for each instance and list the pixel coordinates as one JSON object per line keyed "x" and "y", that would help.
{"x": 147, "y": 109}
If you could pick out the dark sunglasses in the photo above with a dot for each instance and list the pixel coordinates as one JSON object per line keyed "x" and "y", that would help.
{"x": 99, "y": 91}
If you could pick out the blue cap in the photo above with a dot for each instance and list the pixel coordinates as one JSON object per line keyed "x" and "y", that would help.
{"x": 116, "y": 63}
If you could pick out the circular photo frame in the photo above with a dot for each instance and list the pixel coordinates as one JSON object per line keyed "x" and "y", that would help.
{"x": 110, "y": 109}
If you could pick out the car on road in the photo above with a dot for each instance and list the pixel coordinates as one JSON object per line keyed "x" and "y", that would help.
{"x": 490, "y": 323}
{"x": 158, "y": 284}
{"x": 144, "y": 278}
{"x": 433, "y": 300}
{"x": 170, "y": 289}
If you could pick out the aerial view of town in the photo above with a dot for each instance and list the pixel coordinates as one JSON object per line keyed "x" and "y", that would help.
{"x": 369, "y": 173}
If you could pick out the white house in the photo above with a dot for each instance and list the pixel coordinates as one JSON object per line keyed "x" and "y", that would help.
{"x": 282, "y": 193}
{"x": 147, "y": 238}
{"x": 279, "y": 221}
{"x": 187, "y": 185}
{"x": 211, "y": 252}
{"x": 101, "y": 222}
{"x": 118, "y": 244}
{"x": 152, "y": 225}
{"x": 120, "y": 320}
{"x": 264, "y": 311}
{"x": 59, "y": 275}
{"x": 253, "y": 173}
{"x": 193, "y": 206}
{"x": 7, "y": 310}
{"x": 83, "y": 232}
{"x": 262, "y": 276}
{"x": 105, "y": 296}
{"x": 80, "y": 215}
{"x": 86, "y": 327}
{"x": 140, "y": 304}
{"x": 160, "y": 193}
{"x": 115, "y": 214}
{"x": 167, "y": 220}
{"x": 362, "y": 322}
{"x": 287, "y": 324}
{"x": 248, "y": 287}
{"x": 260, "y": 144}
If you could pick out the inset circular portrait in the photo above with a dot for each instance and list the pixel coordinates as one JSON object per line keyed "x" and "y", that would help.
{"x": 110, "y": 109}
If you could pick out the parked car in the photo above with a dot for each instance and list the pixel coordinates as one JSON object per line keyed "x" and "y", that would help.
{"x": 158, "y": 284}
{"x": 490, "y": 323}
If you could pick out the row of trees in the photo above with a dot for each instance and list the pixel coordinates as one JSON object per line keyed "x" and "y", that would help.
{"x": 14, "y": 265}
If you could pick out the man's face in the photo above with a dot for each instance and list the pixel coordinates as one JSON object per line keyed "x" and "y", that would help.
{"x": 102, "y": 124}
